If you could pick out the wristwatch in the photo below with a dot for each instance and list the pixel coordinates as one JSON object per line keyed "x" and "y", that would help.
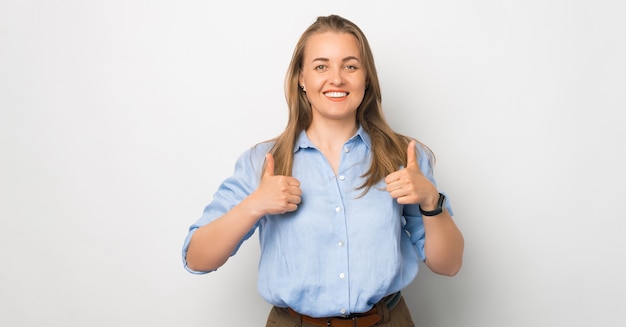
{"x": 438, "y": 210}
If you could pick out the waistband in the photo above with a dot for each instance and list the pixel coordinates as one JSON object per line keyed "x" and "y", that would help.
{"x": 365, "y": 319}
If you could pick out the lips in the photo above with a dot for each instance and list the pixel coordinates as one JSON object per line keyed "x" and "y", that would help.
{"x": 336, "y": 94}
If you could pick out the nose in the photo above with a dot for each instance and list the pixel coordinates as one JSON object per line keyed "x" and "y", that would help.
{"x": 336, "y": 77}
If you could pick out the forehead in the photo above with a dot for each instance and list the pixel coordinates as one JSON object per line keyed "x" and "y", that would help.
{"x": 330, "y": 45}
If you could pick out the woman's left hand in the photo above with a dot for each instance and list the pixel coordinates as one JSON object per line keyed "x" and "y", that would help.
{"x": 409, "y": 186}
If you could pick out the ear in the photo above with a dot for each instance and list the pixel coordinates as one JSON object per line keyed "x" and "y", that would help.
{"x": 301, "y": 81}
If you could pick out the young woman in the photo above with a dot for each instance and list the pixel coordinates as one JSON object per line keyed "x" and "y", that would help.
{"x": 345, "y": 207}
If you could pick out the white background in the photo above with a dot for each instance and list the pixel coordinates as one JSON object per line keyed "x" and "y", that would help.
{"x": 118, "y": 120}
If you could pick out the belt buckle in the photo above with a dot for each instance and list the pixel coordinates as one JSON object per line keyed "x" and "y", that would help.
{"x": 354, "y": 320}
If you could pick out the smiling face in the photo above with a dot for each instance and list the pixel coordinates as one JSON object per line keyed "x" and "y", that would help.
{"x": 332, "y": 76}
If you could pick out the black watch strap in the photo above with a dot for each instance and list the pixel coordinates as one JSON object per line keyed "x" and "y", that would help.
{"x": 438, "y": 210}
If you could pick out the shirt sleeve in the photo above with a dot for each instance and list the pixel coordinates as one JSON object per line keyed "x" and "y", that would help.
{"x": 245, "y": 179}
{"x": 414, "y": 223}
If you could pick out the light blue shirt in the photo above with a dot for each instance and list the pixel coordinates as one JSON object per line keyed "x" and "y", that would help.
{"x": 338, "y": 253}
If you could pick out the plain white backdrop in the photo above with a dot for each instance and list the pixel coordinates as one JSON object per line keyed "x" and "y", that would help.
{"x": 119, "y": 119}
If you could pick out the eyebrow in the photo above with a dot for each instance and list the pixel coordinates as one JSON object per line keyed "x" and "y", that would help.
{"x": 344, "y": 59}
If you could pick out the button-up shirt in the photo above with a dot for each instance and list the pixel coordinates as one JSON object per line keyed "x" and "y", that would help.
{"x": 341, "y": 251}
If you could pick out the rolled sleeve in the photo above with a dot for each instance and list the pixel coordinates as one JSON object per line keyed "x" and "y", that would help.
{"x": 231, "y": 192}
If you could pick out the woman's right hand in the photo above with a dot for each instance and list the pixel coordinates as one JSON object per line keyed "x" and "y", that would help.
{"x": 276, "y": 194}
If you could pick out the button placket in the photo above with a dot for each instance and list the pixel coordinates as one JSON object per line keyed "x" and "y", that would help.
{"x": 341, "y": 240}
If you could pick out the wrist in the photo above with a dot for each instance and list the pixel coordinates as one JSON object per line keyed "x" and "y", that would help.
{"x": 431, "y": 209}
{"x": 252, "y": 208}
{"x": 430, "y": 204}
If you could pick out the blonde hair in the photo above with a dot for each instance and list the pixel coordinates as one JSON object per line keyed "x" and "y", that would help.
{"x": 388, "y": 147}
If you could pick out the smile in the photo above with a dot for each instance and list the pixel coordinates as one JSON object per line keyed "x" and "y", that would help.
{"x": 336, "y": 94}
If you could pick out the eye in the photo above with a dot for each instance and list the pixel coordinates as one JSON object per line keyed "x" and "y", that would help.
{"x": 351, "y": 67}
{"x": 320, "y": 67}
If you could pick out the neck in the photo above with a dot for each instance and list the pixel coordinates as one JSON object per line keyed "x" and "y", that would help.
{"x": 331, "y": 136}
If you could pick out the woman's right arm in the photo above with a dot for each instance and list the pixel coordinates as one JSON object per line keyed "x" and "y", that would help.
{"x": 212, "y": 244}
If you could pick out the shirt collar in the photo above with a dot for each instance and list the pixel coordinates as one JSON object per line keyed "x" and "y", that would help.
{"x": 304, "y": 142}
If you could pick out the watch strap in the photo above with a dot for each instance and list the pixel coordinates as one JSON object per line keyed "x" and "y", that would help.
{"x": 438, "y": 210}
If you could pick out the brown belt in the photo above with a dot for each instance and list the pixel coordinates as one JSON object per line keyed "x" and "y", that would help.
{"x": 365, "y": 319}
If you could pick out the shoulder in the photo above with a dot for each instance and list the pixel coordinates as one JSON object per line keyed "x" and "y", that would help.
{"x": 255, "y": 155}
{"x": 260, "y": 149}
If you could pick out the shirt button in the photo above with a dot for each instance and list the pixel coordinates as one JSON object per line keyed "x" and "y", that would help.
{"x": 338, "y": 209}
{"x": 342, "y": 177}
{"x": 342, "y": 275}
{"x": 346, "y": 150}
{"x": 343, "y": 311}
{"x": 340, "y": 243}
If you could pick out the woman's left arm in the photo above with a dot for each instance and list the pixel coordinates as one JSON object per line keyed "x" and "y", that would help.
{"x": 444, "y": 243}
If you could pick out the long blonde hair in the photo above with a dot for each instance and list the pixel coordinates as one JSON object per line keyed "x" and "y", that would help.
{"x": 388, "y": 147}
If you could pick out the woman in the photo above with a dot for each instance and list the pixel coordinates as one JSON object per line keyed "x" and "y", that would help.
{"x": 345, "y": 207}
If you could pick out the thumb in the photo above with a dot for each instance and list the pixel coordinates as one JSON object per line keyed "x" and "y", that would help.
{"x": 411, "y": 159}
{"x": 269, "y": 165}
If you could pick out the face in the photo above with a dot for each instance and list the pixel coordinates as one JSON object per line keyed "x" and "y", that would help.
{"x": 333, "y": 76}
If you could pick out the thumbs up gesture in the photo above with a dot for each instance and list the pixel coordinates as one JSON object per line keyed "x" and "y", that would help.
{"x": 277, "y": 194}
{"x": 410, "y": 186}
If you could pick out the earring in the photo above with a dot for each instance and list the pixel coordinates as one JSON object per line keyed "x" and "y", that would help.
{"x": 302, "y": 87}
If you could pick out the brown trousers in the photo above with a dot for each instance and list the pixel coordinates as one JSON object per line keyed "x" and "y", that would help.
{"x": 398, "y": 316}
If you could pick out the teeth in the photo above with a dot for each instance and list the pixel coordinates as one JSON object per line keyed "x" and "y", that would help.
{"x": 336, "y": 94}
